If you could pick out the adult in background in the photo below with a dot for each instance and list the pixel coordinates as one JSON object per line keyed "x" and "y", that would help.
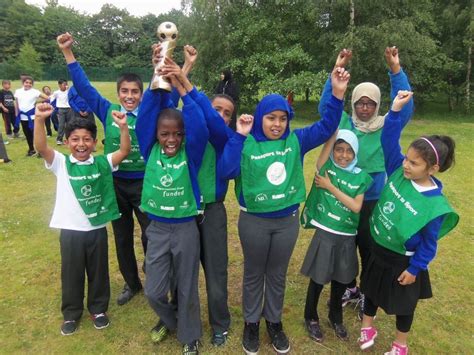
{"x": 229, "y": 87}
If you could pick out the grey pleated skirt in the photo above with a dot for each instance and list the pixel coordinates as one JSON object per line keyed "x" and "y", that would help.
{"x": 331, "y": 257}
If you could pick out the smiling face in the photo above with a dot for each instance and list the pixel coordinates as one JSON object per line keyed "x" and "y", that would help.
{"x": 170, "y": 135}
{"x": 27, "y": 84}
{"x": 416, "y": 168}
{"x": 129, "y": 95}
{"x": 224, "y": 107}
{"x": 343, "y": 154}
{"x": 81, "y": 144}
{"x": 63, "y": 86}
{"x": 274, "y": 124}
{"x": 365, "y": 108}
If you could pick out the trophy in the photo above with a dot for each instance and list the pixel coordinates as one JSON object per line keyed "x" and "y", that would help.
{"x": 167, "y": 33}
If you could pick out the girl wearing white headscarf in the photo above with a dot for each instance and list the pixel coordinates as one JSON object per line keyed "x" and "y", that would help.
{"x": 332, "y": 207}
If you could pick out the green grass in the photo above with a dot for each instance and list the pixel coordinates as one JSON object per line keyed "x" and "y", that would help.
{"x": 30, "y": 314}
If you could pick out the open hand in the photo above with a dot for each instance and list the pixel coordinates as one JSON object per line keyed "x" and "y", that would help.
{"x": 65, "y": 41}
{"x": 401, "y": 100}
{"x": 323, "y": 181}
{"x": 343, "y": 58}
{"x": 339, "y": 81}
{"x": 120, "y": 118}
{"x": 43, "y": 111}
{"x": 244, "y": 124}
{"x": 406, "y": 278}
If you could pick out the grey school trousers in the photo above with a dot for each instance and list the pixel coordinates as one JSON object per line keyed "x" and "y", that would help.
{"x": 267, "y": 244}
{"x": 64, "y": 116}
{"x": 214, "y": 259}
{"x": 84, "y": 253}
{"x": 173, "y": 253}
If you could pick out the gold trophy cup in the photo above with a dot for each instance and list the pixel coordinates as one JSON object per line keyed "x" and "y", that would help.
{"x": 167, "y": 33}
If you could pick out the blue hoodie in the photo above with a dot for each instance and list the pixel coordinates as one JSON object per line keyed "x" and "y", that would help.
{"x": 308, "y": 137}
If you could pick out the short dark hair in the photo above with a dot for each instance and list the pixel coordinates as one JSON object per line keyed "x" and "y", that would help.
{"x": 170, "y": 114}
{"x": 131, "y": 78}
{"x": 62, "y": 81}
{"x": 444, "y": 146}
{"x": 5, "y": 81}
{"x": 224, "y": 96}
{"x": 27, "y": 77}
{"x": 80, "y": 123}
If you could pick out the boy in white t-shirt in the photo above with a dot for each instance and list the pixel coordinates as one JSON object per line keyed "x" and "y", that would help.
{"x": 26, "y": 98}
{"x": 85, "y": 202}
{"x": 65, "y": 112}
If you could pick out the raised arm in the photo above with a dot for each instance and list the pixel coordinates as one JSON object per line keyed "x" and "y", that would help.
{"x": 42, "y": 112}
{"x": 391, "y": 133}
{"x": 325, "y": 152}
{"x": 96, "y": 102}
{"x": 399, "y": 81}
{"x": 147, "y": 121}
{"x": 120, "y": 119}
{"x": 232, "y": 155}
{"x": 319, "y": 132}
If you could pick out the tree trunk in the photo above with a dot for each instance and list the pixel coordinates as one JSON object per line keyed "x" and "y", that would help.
{"x": 468, "y": 79}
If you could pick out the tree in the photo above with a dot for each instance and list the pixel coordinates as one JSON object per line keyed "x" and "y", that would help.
{"x": 27, "y": 61}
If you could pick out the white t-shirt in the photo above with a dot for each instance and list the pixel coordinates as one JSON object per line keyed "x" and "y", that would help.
{"x": 68, "y": 213}
{"x": 61, "y": 98}
{"x": 26, "y": 100}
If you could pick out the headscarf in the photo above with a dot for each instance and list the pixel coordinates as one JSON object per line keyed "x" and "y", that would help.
{"x": 270, "y": 103}
{"x": 350, "y": 138}
{"x": 375, "y": 122}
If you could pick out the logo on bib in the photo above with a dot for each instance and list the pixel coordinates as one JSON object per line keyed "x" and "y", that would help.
{"x": 276, "y": 173}
{"x": 166, "y": 180}
{"x": 388, "y": 207}
{"x": 261, "y": 197}
{"x": 320, "y": 208}
{"x": 151, "y": 203}
{"x": 86, "y": 190}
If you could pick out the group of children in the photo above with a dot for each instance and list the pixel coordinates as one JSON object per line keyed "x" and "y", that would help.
{"x": 171, "y": 169}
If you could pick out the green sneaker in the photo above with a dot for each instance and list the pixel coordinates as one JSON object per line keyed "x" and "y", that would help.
{"x": 159, "y": 332}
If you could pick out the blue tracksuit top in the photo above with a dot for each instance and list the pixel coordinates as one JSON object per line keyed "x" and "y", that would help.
{"x": 308, "y": 137}
{"x": 76, "y": 102}
{"x": 425, "y": 242}
{"x": 196, "y": 136}
{"x": 398, "y": 82}
{"x": 99, "y": 105}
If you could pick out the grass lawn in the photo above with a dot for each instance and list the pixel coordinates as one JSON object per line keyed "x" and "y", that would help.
{"x": 30, "y": 314}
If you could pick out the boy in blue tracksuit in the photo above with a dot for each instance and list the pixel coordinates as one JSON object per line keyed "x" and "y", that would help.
{"x": 367, "y": 125}
{"x": 173, "y": 145}
{"x": 128, "y": 180}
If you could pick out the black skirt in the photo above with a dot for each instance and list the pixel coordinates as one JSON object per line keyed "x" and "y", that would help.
{"x": 379, "y": 282}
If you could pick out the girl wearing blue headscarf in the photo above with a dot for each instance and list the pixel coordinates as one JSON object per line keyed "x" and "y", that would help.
{"x": 266, "y": 160}
{"x": 333, "y": 207}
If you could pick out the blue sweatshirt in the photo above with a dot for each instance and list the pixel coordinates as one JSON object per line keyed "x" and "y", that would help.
{"x": 425, "y": 242}
{"x": 196, "y": 136}
{"x": 76, "y": 102}
{"x": 308, "y": 137}
{"x": 99, "y": 105}
{"x": 398, "y": 82}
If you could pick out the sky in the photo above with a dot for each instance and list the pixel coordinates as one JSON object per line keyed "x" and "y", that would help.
{"x": 139, "y": 8}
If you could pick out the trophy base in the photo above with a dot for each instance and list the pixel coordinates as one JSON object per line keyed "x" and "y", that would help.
{"x": 161, "y": 84}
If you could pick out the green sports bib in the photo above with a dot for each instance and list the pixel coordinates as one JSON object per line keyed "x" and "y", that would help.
{"x": 167, "y": 189}
{"x": 323, "y": 207}
{"x": 271, "y": 174}
{"x": 370, "y": 156}
{"x": 94, "y": 189}
{"x": 402, "y": 211}
{"x": 134, "y": 160}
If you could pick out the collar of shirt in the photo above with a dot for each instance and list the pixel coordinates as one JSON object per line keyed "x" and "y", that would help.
{"x": 89, "y": 161}
{"x": 134, "y": 112}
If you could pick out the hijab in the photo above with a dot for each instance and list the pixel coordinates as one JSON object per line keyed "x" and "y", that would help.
{"x": 270, "y": 103}
{"x": 350, "y": 138}
{"x": 375, "y": 122}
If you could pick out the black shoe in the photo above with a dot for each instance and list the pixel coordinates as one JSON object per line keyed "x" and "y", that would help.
{"x": 340, "y": 330}
{"x": 191, "y": 348}
{"x": 68, "y": 327}
{"x": 219, "y": 339}
{"x": 278, "y": 337}
{"x": 250, "y": 341}
{"x": 126, "y": 295}
{"x": 314, "y": 330}
{"x": 30, "y": 153}
{"x": 100, "y": 320}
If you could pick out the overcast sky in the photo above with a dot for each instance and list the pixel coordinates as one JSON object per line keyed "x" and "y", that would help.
{"x": 134, "y": 7}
